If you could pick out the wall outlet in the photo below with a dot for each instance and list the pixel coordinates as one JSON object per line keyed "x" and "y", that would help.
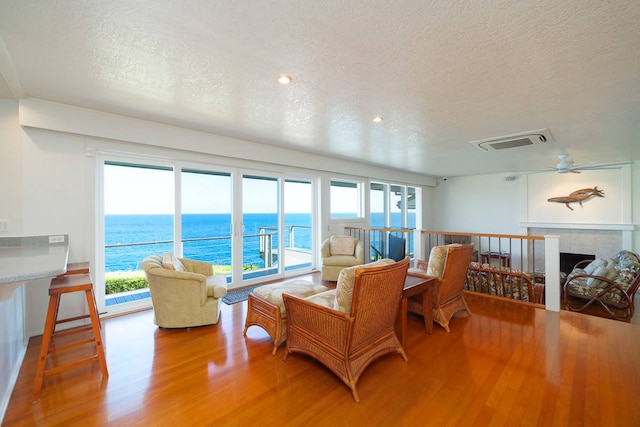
{"x": 56, "y": 239}
{"x": 4, "y": 225}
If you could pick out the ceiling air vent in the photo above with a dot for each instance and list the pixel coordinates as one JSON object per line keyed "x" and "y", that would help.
{"x": 514, "y": 141}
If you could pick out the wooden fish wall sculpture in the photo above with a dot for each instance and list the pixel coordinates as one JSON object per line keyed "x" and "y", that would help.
{"x": 578, "y": 196}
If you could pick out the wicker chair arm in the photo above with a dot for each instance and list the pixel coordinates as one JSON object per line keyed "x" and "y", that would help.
{"x": 313, "y": 320}
{"x": 582, "y": 263}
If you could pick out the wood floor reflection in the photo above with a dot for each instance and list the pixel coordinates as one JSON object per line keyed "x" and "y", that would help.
{"x": 506, "y": 364}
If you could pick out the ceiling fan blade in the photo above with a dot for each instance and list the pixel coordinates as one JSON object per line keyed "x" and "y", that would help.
{"x": 534, "y": 171}
{"x": 597, "y": 166}
{"x": 583, "y": 165}
{"x": 567, "y": 165}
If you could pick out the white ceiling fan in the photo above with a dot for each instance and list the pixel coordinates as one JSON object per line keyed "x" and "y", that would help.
{"x": 565, "y": 165}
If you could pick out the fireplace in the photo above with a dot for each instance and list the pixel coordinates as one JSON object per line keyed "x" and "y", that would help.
{"x": 588, "y": 240}
{"x": 568, "y": 260}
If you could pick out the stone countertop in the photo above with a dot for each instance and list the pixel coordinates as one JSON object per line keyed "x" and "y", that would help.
{"x": 29, "y": 258}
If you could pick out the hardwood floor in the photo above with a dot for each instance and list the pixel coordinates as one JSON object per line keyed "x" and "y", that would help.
{"x": 506, "y": 364}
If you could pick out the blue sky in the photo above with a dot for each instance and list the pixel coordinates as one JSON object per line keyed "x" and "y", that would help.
{"x": 131, "y": 190}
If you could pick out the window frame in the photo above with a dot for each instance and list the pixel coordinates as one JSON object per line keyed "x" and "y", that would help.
{"x": 359, "y": 186}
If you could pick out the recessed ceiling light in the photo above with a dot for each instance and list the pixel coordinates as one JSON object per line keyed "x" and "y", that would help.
{"x": 378, "y": 119}
{"x": 284, "y": 79}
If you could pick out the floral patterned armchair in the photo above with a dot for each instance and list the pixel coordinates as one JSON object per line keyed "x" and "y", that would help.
{"x": 608, "y": 283}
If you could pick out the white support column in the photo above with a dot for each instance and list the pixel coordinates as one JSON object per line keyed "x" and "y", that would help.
{"x": 417, "y": 245}
{"x": 552, "y": 272}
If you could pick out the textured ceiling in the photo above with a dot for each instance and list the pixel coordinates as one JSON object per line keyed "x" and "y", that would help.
{"x": 441, "y": 73}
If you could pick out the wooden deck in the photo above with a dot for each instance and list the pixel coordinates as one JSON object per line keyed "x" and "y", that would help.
{"x": 506, "y": 364}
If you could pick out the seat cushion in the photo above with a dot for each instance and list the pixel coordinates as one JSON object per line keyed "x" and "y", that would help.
{"x": 623, "y": 270}
{"x": 341, "y": 260}
{"x": 344, "y": 287}
{"x": 609, "y": 273}
{"x": 342, "y": 245}
{"x": 437, "y": 259}
{"x": 325, "y": 299}
{"x": 299, "y": 288}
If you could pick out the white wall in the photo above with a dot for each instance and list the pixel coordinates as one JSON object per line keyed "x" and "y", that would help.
{"x": 480, "y": 204}
{"x": 612, "y": 208}
{"x": 488, "y": 203}
{"x": 55, "y": 202}
{"x": 10, "y": 168}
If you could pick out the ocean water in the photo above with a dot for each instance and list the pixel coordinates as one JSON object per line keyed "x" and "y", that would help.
{"x": 133, "y": 237}
{"x": 130, "y": 238}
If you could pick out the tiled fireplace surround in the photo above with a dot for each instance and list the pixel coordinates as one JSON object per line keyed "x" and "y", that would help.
{"x": 602, "y": 243}
{"x": 600, "y": 240}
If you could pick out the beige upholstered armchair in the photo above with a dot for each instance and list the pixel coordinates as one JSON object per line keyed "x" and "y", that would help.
{"x": 184, "y": 292}
{"x": 338, "y": 252}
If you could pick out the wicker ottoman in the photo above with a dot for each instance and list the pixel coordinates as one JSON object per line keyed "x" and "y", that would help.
{"x": 266, "y": 309}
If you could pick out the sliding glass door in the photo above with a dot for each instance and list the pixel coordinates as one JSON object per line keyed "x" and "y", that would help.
{"x": 298, "y": 224}
{"x": 138, "y": 220}
{"x": 252, "y": 226}
{"x": 261, "y": 225}
{"x": 206, "y": 218}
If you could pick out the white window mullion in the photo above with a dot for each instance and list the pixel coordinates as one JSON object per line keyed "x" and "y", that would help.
{"x": 177, "y": 213}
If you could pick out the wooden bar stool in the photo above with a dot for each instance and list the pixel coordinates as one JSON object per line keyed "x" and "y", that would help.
{"x": 77, "y": 268}
{"x": 59, "y": 286}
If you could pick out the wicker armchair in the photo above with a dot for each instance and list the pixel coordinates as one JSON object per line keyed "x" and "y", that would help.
{"x": 608, "y": 285}
{"x": 449, "y": 264}
{"x": 347, "y": 343}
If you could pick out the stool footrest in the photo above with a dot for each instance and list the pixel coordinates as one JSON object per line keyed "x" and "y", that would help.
{"x": 73, "y": 364}
{"x": 71, "y": 319}
{"x": 72, "y": 331}
{"x": 61, "y": 347}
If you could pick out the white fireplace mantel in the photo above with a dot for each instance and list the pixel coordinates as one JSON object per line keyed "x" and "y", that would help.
{"x": 576, "y": 226}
